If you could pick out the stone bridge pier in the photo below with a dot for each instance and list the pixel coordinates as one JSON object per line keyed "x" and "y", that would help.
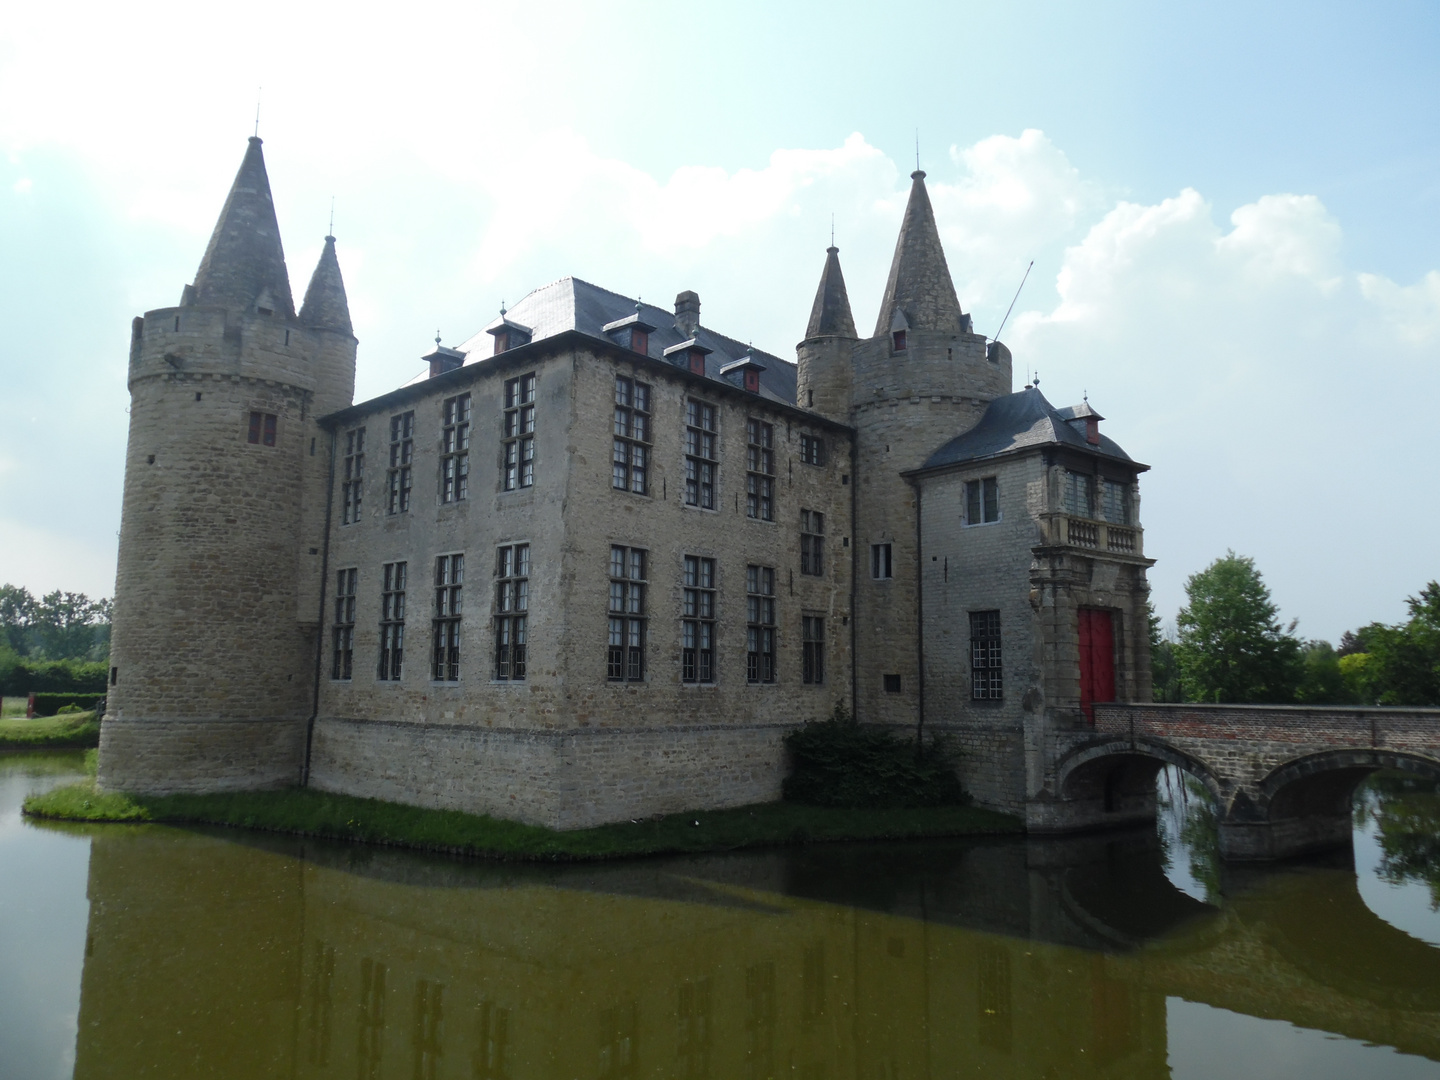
{"x": 1282, "y": 777}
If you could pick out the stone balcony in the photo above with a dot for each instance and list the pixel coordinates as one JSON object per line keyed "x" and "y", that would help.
{"x": 1089, "y": 534}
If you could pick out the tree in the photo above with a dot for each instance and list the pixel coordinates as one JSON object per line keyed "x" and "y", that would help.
{"x": 59, "y": 626}
{"x": 17, "y": 612}
{"x": 1404, "y": 661}
{"x": 1164, "y": 671}
{"x": 1232, "y": 647}
{"x": 1322, "y": 682}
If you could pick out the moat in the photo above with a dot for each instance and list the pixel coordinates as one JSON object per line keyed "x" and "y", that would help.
{"x": 156, "y": 951}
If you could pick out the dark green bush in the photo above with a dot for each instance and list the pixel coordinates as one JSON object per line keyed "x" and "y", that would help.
{"x": 54, "y": 704}
{"x": 839, "y": 762}
{"x": 55, "y": 676}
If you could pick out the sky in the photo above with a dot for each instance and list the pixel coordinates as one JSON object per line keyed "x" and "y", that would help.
{"x": 1233, "y": 210}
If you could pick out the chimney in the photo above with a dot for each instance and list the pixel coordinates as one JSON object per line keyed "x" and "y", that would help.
{"x": 687, "y": 313}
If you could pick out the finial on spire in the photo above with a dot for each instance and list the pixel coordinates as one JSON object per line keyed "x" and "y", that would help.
{"x": 832, "y": 228}
{"x": 502, "y": 307}
{"x": 917, "y": 149}
{"x": 331, "y": 233}
{"x": 257, "y": 110}
{"x": 437, "y": 337}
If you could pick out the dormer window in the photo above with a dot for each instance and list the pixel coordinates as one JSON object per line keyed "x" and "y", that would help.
{"x": 898, "y": 340}
{"x": 746, "y": 371}
{"x": 697, "y": 362}
{"x": 899, "y": 325}
{"x": 688, "y": 354}
{"x": 508, "y": 334}
{"x": 631, "y": 331}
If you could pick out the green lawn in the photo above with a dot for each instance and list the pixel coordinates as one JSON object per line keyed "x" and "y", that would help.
{"x": 71, "y": 731}
{"x": 13, "y": 706}
{"x": 308, "y": 812}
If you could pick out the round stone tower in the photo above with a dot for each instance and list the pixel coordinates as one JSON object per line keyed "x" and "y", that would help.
{"x": 217, "y": 595}
{"x": 823, "y": 359}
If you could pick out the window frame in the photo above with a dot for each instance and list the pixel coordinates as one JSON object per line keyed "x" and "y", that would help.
{"x": 759, "y": 469}
{"x": 702, "y": 454}
{"x": 812, "y": 543}
{"x": 399, "y": 475}
{"x": 986, "y": 656}
{"x": 812, "y": 649}
{"x": 760, "y": 627}
{"x": 698, "y": 621}
{"x": 391, "y": 660}
{"x": 342, "y": 654}
{"x": 445, "y": 617}
{"x": 263, "y": 428}
{"x": 631, "y": 437}
{"x": 517, "y": 433}
{"x": 626, "y": 623}
{"x": 352, "y": 485}
{"x": 882, "y": 557}
{"x": 455, "y": 420}
{"x": 512, "y": 610}
{"x": 982, "y": 500}
{"x": 812, "y": 450}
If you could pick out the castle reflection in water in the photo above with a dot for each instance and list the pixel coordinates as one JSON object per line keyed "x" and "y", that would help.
{"x": 1019, "y": 959}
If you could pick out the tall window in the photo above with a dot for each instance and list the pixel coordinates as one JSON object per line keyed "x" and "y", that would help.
{"x": 392, "y": 622}
{"x": 812, "y": 658}
{"x": 1115, "y": 502}
{"x": 512, "y": 602}
{"x": 700, "y": 454}
{"x": 697, "y": 629}
{"x": 262, "y": 429}
{"x": 1078, "y": 493}
{"x": 759, "y": 624}
{"x": 982, "y": 501}
{"x": 352, "y": 488}
{"x": 519, "y": 427}
{"x": 760, "y": 470}
{"x": 344, "y": 632}
{"x": 812, "y": 542}
{"x": 632, "y": 435}
{"x": 625, "y": 660}
{"x": 882, "y": 561}
{"x": 455, "y": 449}
{"x": 402, "y": 453}
{"x": 812, "y": 450}
{"x": 985, "y": 680}
{"x": 449, "y": 577}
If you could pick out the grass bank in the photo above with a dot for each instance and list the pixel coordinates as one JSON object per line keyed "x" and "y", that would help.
{"x": 73, "y": 731}
{"x": 306, "y": 812}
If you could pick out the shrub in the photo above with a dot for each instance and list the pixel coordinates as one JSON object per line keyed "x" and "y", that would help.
{"x": 55, "y": 704}
{"x": 54, "y": 676}
{"x": 839, "y": 762}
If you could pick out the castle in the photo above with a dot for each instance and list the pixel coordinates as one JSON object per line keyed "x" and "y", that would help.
{"x": 479, "y": 592}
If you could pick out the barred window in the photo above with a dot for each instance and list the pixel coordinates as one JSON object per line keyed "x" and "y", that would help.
{"x": 812, "y": 450}
{"x": 352, "y": 488}
{"x": 519, "y": 428}
{"x": 625, "y": 659}
{"x": 882, "y": 561}
{"x": 812, "y": 542}
{"x": 812, "y": 659}
{"x": 760, "y": 624}
{"x": 455, "y": 449}
{"x": 700, "y": 454}
{"x": 632, "y": 436}
{"x": 512, "y": 604}
{"x": 262, "y": 429}
{"x": 344, "y": 631}
{"x": 1116, "y": 502}
{"x": 985, "y": 680}
{"x": 760, "y": 470}
{"x": 982, "y": 501}
{"x": 402, "y": 453}
{"x": 697, "y": 628}
{"x": 449, "y": 578}
{"x": 392, "y": 621}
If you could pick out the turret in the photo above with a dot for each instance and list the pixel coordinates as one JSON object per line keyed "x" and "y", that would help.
{"x": 824, "y": 357}
{"x": 218, "y": 583}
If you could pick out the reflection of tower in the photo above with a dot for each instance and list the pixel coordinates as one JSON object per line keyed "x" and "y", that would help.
{"x": 218, "y": 584}
{"x": 923, "y": 378}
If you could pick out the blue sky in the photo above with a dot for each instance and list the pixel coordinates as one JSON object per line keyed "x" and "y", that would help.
{"x": 1234, "y": 212}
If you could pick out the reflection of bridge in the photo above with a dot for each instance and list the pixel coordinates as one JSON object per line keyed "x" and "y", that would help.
{"x": 1282, "y": 776}
{"x": 1017, "y": 959}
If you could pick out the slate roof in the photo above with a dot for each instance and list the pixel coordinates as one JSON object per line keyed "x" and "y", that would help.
{"x": 573, "y": 304}
{"x": 830, "y": 314}
{"x": 1022, "y": 421}
{"x": 244, "y": 261}
{"x": 919, "y": 282}
{"x": 325, "y": 304}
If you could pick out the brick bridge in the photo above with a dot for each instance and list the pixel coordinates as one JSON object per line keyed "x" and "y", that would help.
{"x": 1282, "y": 776}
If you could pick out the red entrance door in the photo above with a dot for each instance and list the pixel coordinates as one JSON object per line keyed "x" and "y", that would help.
{"x": 1097, "y": 659}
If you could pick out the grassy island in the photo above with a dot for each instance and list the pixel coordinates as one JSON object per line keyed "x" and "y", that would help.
{"x": 307, "y": 812}
{"x": 69, "y": 731}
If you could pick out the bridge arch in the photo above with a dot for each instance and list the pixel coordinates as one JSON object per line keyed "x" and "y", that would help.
{"x": 1078, "y": 771}
{"x": 1324, "y": 783}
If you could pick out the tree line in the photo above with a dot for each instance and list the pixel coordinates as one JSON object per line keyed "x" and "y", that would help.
{"x": 1230, "y": 646}
{"x": 56, "y": 642}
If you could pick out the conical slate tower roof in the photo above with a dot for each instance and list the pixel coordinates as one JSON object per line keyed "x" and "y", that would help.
{"x": 830, "y": 317}
{"x": 919, "y": 283}
{"x": 325, "y": 306}
{"x": 244, "y": 266}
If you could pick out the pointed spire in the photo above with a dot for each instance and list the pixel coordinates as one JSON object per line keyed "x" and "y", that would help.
{"x": 325, "y": 306}
{"x": 919, "y": 284}
{"x": 245, "y": 260}
{"x": 830, "y": 316}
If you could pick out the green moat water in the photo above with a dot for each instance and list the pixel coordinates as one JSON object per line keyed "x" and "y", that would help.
{"x": 163, "y": 952}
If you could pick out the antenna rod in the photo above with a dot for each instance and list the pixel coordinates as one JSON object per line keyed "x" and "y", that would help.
{"x": 1012, "y": 302}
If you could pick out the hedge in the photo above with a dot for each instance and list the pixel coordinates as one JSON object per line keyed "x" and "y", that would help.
{"x": 54, "y": 676}
{"x": 51, "y": 704}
